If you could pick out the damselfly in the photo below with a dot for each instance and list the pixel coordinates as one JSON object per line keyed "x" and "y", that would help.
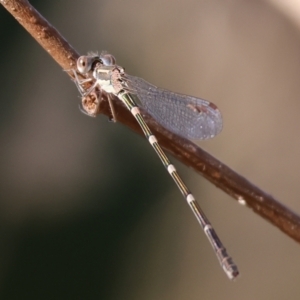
{"x": 187, "y": 116}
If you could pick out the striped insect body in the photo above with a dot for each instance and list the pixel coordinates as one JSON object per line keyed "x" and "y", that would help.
{"x": 187, "y": 116}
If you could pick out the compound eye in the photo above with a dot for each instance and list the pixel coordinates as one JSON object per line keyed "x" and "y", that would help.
{"x": 84, "y": 64}
{"x": 108, "y": 59}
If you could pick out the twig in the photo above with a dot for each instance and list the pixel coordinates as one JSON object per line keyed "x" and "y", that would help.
{"x": 191, "y": 155}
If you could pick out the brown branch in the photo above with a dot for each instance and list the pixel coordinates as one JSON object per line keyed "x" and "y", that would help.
{"x": 216, "y": 172}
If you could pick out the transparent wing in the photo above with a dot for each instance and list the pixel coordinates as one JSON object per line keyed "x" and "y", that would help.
{"x": 188, "y": 116}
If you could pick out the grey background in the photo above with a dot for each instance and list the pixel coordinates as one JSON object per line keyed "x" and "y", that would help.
{"x": 86, "y": 209}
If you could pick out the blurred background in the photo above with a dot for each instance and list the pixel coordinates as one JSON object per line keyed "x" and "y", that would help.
{"x": 87, "y": 211}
